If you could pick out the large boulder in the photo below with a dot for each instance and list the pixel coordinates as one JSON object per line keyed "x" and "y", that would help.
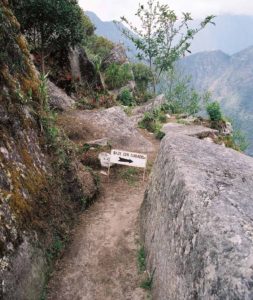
{"x": 58, "y": 99}
{"x": 197, "y": 221}
{"x": 112, "y": 123}
{"x": 191, "y": 130}
{"x": 117, "y": 55}
{"x": 83, "y": 70}
{"x": 139, "y": 111}
{"x": 150, "y": 105}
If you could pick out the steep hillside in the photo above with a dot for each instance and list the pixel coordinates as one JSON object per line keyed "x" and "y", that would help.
{"x": 36, "y": 207}
{"x": 230, "y": 80}
{"x": 231, "y": 34}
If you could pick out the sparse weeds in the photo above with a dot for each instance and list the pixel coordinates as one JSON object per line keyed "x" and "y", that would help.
{"x": 131, "y": 175}
{"x": 128, "y": 110}
{"x": 146, "y": 283}
{"x": 141, "y": 259}
{"x": 152, "y": 121}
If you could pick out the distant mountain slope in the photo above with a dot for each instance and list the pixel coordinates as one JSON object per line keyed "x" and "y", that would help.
{"x": 110, "y": 31}
{"x": 231, "y": 34}
{"x": 230, "y": 79}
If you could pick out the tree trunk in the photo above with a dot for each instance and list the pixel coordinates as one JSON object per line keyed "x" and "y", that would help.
{"x": 154, "y": 81}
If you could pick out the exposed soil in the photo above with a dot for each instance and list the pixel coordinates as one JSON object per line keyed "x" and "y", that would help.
{"x": 101, "y": 261}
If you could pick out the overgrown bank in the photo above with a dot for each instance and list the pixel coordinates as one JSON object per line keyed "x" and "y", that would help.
{"x": 42, "y": 184}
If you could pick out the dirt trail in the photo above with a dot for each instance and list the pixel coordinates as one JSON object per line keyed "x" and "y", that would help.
{"x": 101, "y": 261}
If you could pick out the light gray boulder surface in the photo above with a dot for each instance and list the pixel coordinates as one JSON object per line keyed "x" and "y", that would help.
{"x": 112, "y": 124}
{"x": 197, "y": 221}
{"x": 150, "y": 105}
{"x": 139, "y": 111}
{"x": 58, "y": 99}
{"x": 191, "y": 130}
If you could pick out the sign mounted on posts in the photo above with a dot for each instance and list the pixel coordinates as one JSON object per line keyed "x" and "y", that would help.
{"x": 130, "y": 159}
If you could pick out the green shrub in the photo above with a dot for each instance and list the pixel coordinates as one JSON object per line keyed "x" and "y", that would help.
{"x": 240, "y": 140}
{"x": 214, "y": 111}
{"x": 181, "y": 96}
{"x": 141, "y": 259}
{"x": 126, "y": 98}
{"x": 116, "y": 76}
{"x": 148, "y": 122}
{"x": 159, "y": 134}
{"x": 152, "y": 122}
{"x": 99, "y": 46}
{"x": 142, "y": 76}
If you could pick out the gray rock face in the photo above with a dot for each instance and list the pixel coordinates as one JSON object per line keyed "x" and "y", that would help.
{"x": 111, "y": 123}
{"x": 83, "y": 70}
{"x": 117, "y": 55}
{"x": 25, "y": 280}
{"x": 58, "y": 99}
{"x": 150, "y": 105}
{"x": 197, "y": 221}
{"x": 138, "y": 112}
{"x": 191, "y": 130}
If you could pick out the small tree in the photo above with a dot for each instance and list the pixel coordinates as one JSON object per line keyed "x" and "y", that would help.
{"x": 162, "y": 37}
{"x": 51, "y": 24}
{"x": 142, "y": 77}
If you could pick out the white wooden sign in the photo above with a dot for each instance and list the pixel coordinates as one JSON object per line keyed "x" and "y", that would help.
{"x": 104, "y": 158}
{"x": 130, "y": 159}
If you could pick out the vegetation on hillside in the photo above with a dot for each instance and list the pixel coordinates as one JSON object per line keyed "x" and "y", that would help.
{"x": 51, "y": 25}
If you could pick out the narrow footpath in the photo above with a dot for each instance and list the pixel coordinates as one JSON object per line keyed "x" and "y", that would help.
{"x": 101, "y": 261}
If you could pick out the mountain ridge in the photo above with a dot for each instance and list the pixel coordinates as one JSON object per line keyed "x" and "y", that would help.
{"x": 229, "y": 79}
{"x": 225, "y": 35}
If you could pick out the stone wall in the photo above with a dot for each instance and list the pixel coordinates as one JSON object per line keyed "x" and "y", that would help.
{"x": 197, "y": 221}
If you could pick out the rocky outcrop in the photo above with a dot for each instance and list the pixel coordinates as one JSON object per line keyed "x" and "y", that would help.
{"x": 117, "y": 55}
{"x": 83, "y": 70}
{"x": 197, "y": 221}
{"x": 150, "y": 105}
{"x": 191, "y": 130}
{"x": 112, "y": 123}
{"x": 58, "y": 99}
{"x": 138, "y": 112}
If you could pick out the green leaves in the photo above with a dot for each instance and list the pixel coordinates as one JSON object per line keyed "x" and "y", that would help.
{"x": 214, "y": 111}
{"x": 51, "y": 24}
{"x": 163, "y": 37}
{"x": 117, "y": 76}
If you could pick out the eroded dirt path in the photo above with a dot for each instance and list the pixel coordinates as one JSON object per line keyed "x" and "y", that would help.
{"x": 101, "y": 261}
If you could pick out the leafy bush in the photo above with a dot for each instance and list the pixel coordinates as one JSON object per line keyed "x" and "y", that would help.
{"x": 181, "y": 96}
{"x": 143, "y": 77}
{"x": 126, "y": 98}
{"x": 98, "y": 46}
{"x": 148, "y": 122}
{"x": 116, "y": 76}
{"x": 141, "y": 259}
{"x": 152, "y": 122}
{"x": 240, "y": 140}
{"x": 214, "y": 111}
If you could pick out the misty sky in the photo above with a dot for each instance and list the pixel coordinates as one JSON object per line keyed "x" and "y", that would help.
{"x": 113, "y": 9}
